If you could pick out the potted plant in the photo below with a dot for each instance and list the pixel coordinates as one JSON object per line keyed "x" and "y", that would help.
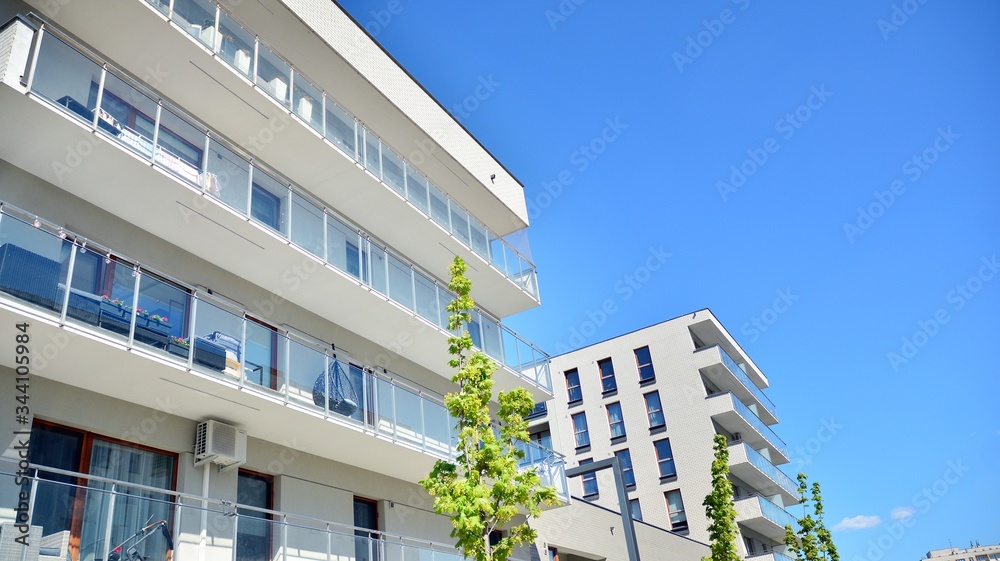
{"x": 178, "y": 346}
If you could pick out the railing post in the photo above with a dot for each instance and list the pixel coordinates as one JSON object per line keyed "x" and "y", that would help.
{"x": 156, "y": 131}
{"x": 216, "y": 38}
{"x": 100, "y": 96}
{"x": 329, "y": 543}
{"x": 135, "y": 306}
{"x": 34, "y": 57}
{"x": 284, "y": 537}
{"x": 109, "y": 520}
{"x": 236, "y": 534}
{"x": 191, "y": 327}
{"x": 287, "y": 366}
{"x": 68, "y": 284}
{"x": 243, "y": 353}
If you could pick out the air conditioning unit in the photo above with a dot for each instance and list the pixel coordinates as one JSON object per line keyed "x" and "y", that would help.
{"x": 221, "y": 444}
{"x": 737, "y": 437}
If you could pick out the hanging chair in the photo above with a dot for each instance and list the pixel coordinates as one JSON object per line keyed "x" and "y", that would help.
{"x": 343, "y": 399}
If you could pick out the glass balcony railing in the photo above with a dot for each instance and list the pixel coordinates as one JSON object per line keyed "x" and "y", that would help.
{"x": 241, "y": 49}
{"x": 769, "y": 556}
{"x": 540, "y": 410}
{"x": 116, "y": 298}
{"x": 99, "y": 513}
{"x": 753, "y": 420}
{"x": 769, "y": 469}
{"x": 125, "y": 113}
{"x": 747, "y": 382}
{"x": 775, "y": 513}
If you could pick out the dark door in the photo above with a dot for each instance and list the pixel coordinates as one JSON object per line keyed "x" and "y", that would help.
{"x": 253, "y": 536}
{"x": 366, "y": 540}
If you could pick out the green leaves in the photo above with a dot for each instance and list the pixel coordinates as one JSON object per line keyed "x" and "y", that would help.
{"x": 813, "y": 542}
{"x": 483, "y": 490}
{"x": 719, "y": 508}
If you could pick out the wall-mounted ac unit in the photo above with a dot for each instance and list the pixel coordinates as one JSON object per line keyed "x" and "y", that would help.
{"x": 221, "y": 444}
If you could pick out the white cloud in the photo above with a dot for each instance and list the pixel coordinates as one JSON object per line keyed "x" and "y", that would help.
{"x": 859, "y": 522}
{"x": 901, "y": 512}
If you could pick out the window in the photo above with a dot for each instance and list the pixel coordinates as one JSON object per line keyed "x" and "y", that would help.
{"x": 665, "y": 458}
{"x": 607, "y": 375}
{"x": 615, "y": 420}
{"x": 253, "y": 535}
{"x": 634, "y": 509}
{"x": 580, "y": 430}
{"x": 61, "y": 507}
{"x": 654, "y": 410}
{"x": 675, "y": 507}
{"x": 749, "y": 545}
{"x": 625, "y": 463}
{"x": 573, "y": 385}
{"x": 365, "y": 535}
{"x": 645, "y": 364}
{"x": 589, "y": 480}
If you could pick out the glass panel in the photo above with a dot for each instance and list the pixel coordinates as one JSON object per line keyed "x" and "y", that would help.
{"x": 510, "y": 350}
{"x": 427, "y": 302}
{"x": 121, "y": 106}
{"x": 386, "y": 419}
{"x": 340, "y": 129}
{"x": 260, "y": 366}
{"x": 305, "y": 543}
{"x": 197, "y": 17}
{"x": 392, "y": 170}
{"x": 497, "y": 254}
{"x": 460, "y": 224}
{"x": 162, "y": 316}
{"x": 237, "y": 45}
{"x": 66, "y": 77}
{"x": 439, "y": 207}
{"x": 437, "y": 425}
{"x": 379, "y": 264}
{"x": 479, "y": 239}
{"x": 116, "y": 280}
{"x": 269, "y": 201}
{"x": 307, "y": 103}
{"x": 491, "y": 339}
{"x": 473, "y": 329}
{"x": 400, "y": 282}
{"x": 372, "y": 159}
{"x": 34, "y": 265}
{"x": 342, "y": 247}
{"x": 179, "y": 145}
{"x": 409, "y": 423}
{"x": 162, "y": 5}
{"x": 513, "y": 262}
{"x": 257, "y": 536}
{"x": 416, "y": 190}
{"x": 218, "y": 336}
{"x": 228, "y": 176}
{"x": 273, "y": 74}
{"x": 307, "y": 225}
{"x": 307, "y": 368}
{"x": 444, "y": 297}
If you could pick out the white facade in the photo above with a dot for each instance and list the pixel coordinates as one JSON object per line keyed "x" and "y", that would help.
{"x": 705, "y": 384}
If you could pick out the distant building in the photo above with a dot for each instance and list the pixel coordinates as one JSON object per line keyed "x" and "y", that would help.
{"x": 655, "y": 398}
{"x": 986, "y": 553}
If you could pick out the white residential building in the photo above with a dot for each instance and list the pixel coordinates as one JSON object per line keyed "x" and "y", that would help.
{"x": 655, "y": 398}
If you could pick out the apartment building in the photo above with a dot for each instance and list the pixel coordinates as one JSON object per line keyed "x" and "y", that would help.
{"x": 974, "y": 552}
{"x": 655, "y": 398}
{"x": 225, "y": 232}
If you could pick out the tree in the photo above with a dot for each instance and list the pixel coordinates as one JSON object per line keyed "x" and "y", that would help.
{"x": 813, "y": 542}
{"x": 719, "y": 508}
{"x": 482, "y": 490}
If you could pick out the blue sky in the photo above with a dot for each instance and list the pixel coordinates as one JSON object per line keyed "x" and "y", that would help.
{"x": 829, "y": 169}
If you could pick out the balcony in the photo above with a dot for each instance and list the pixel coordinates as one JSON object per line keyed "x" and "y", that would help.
{"x": 724, "y": 372}
{"x": 769, "y": 556}
{"x": 757, "y": 471}
{"x": 194, "y": 527}
{"x": 764, "y": 517}
{"x": 199, "y": 47}
{"x": 727, "y": 410}
{"x": 540, "y": 410}
{"x": 250, "y": 213}
{"x": 215, "y": 358}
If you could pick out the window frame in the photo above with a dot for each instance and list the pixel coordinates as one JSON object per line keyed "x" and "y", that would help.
{"x": 640, "y": 366}
{"x": 635, "y": 512}
{"x": 577, "y": 431}
{"x": 627, "y": 468}
{"x": 607, "y": 375}
{"x": 682, "y": 525}
{"x": 589, "y": 478}
{"x": 650, "y": 413}
{"x": 620, "y": 422}
{"x": 570, "y": 388}
{"x": 660, "y": 461}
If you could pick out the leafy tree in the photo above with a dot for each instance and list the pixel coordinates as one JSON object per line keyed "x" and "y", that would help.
{"x": 482, "y": 490}
{"x": 719, "y": 508}
{"x": 813, "y": 542}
